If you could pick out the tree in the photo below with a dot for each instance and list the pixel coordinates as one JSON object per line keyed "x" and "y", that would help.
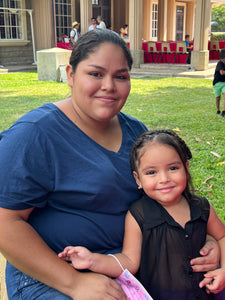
{"x": 218, "y": 15}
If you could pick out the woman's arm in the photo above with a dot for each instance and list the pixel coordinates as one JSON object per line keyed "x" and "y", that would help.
{"x": 25, "y": 249}
{"x": 210, "y": 256}
{"x": 211, "y": 250}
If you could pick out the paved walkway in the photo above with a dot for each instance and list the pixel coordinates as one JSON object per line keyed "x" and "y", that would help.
{"x": 146, "y": 70}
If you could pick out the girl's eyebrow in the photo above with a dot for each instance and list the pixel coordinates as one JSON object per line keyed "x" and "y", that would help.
{"x": 103, "y": 69}
{"x": 170, "y": 164}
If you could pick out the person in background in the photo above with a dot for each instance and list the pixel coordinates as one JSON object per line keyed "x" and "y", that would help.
{"x": 101, "y": 23}
{"x": 163, "y": 229}
{"x": 124, "y": 31}
{"x": 93, "y": 24}
{"x": 65, "y": 179}
{"x": 219, "y": 82}
{"x": 74, "y": 34}
{"x": 188, "y": 47}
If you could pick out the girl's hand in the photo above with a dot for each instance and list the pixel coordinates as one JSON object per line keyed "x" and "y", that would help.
{"x": 217, "y": 281}
{"x": 80, "y": 257}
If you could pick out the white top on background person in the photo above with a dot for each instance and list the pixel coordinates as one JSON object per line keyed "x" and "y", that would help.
{"x": 74, "y": 34}
{"x": 101, "y": 23}
{"x": 93, "y": 24}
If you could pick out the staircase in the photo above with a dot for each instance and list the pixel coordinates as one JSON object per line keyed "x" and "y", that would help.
{"x": 172, "y": 70}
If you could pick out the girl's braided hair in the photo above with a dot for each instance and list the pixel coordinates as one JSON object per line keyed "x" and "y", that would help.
{"x": 166, "y": 137}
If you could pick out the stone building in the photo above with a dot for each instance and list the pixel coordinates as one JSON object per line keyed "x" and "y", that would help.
{"x": 30, "y": 25}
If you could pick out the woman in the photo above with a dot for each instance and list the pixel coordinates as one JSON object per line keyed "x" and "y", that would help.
{"x": 65, "y": 178}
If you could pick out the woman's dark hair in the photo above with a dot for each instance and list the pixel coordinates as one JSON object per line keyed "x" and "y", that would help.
{"x": 91, "y": 40}
{"x": 166, "y": 137}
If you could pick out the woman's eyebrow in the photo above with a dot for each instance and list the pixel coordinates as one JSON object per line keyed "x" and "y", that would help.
{"x": 103, "y": 69}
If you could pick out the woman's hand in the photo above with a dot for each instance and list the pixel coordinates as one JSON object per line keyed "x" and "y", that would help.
{"x": 210, "y": 257}
{"x": 93, "y": 286}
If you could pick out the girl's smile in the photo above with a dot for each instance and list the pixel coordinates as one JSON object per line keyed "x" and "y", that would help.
{"x": 161, "y": 174}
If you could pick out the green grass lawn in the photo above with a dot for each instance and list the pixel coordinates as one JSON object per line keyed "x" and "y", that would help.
{"x": 185, "y": 105}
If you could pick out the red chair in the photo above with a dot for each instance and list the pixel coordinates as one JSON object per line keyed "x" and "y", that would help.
{"x": 167, "y": 54}
{"x": 214, "y": 49}
{"x": 181, "y": 53}
{"x": 153, "y": 55}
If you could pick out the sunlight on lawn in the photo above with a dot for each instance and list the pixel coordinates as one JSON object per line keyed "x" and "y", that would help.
{"x": 186, "y": 105}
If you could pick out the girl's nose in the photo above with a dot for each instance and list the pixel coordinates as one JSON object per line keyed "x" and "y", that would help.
{"x": 164, "y": 176}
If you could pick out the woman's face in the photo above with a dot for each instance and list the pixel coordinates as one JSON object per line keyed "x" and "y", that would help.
{"x": 100, "y": 84}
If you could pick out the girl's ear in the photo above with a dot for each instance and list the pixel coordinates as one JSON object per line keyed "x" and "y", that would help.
{"x": 137, "y": 179}
{"x": 187, "y": 165}
{"x": 70, "y": 76}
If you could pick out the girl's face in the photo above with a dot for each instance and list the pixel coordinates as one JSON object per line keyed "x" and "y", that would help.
{"x": 101, "y": 83}
{"x": 161, "y": 174}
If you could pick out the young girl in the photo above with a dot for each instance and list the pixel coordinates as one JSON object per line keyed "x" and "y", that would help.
{"x": 166, "y": 228}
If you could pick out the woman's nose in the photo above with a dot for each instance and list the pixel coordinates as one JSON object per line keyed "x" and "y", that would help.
{"x": 108, "y": 83}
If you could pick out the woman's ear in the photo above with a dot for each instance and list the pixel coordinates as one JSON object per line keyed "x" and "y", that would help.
{"x": 70, "y": 76}
{"x": 137, "y": 179}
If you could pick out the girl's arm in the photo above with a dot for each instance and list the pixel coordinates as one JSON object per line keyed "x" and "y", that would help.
{"x": 216, "y": 228}
{"x": 26, "y": 250}
{"x": 82, "y": 258}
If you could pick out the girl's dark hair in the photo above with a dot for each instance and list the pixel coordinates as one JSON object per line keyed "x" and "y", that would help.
{"x": 91, "y": 40}
{"x": 166, "y": 137}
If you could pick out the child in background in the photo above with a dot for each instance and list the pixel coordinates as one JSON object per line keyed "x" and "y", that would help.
{"x": 164, "y": 229}
{"x": 219, "y": 82}
{"x": 188, "y": 47}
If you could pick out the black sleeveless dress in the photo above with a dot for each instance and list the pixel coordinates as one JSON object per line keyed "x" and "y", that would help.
{"x": 167, "y": 248}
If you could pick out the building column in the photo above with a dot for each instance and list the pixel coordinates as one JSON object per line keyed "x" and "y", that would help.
{"x": 85, "y": 15}
{"x": 190, "y": 19}
{"x": 135, "y": 31}
{"x": 200, "y": 55}
{"x": 171, "y": 21}
{"x": 162, "y": 19}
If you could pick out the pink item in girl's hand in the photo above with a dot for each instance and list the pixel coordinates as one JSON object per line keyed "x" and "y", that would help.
{"x": 132, "y": 287}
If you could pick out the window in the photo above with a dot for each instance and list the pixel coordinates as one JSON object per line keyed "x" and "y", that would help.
{"x": 63, "y": 11}
{"x": 95, "y": 2}
{"x": 154, "y": 20}
{"x": 180, "y": 22}
{"x": 11, "y": 20}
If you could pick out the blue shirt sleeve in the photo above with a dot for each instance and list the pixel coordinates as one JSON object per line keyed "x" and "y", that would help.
{"x": 25, "y": 169}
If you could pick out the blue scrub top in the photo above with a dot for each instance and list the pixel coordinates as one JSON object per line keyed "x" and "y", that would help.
{"x": 80, "y": 190}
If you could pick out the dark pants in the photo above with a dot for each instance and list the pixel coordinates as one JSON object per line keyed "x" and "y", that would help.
{"x": 188, "y": 60}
